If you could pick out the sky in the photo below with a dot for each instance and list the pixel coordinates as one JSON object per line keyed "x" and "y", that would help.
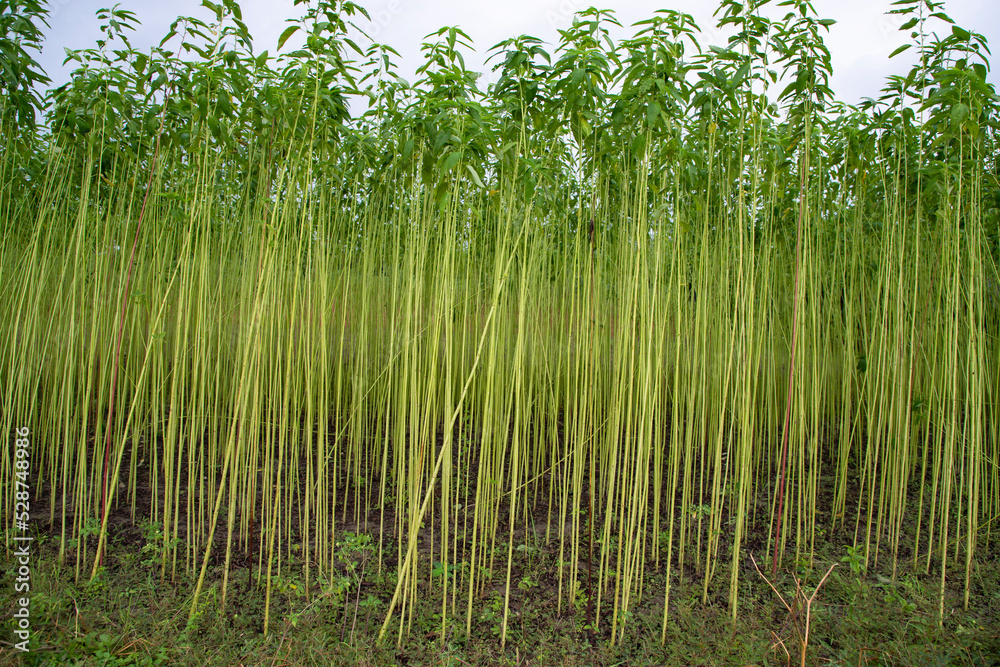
{"x": 860, "y": 42}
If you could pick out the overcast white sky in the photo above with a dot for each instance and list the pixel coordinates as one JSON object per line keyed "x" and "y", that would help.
{"x": 860, "y": 42}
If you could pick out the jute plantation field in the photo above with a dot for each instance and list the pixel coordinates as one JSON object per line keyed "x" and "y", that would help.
{"x": 650, "y": 352}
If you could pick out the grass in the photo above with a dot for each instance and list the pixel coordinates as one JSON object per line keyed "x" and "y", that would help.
{"x": 128, "y": 615}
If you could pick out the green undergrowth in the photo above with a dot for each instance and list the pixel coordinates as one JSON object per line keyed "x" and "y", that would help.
{"x": 130, "y": 615}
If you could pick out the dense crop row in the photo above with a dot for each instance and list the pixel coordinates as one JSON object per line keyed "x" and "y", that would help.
{"x": 653, "y": 304}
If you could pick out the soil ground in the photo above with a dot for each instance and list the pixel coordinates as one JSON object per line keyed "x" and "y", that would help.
{"x": 131, "y": 614}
